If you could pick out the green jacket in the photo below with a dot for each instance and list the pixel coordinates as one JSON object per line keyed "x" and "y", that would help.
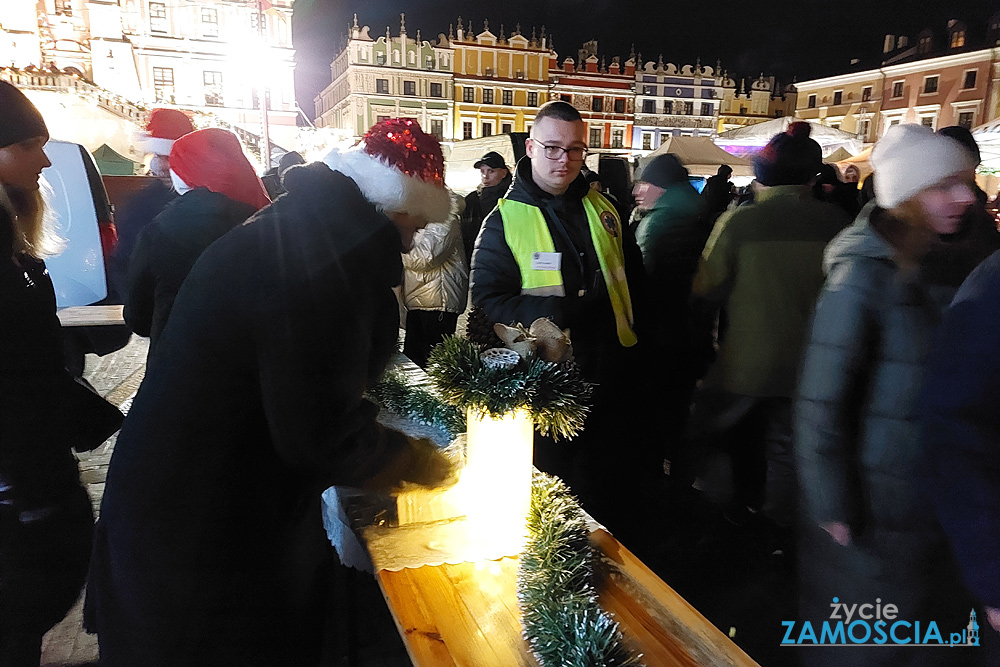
{"x": 763, "y": 266}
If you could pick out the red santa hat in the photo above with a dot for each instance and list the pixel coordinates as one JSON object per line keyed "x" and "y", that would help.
{"x": 398, "y": 167}
{"x": 213, "y": 159}
{"x": 165, "y": 126}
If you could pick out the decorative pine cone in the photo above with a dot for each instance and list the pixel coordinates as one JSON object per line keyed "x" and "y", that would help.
{"x": 479, "y": 329}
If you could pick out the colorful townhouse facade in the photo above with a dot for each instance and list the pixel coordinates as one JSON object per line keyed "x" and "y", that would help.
{"x": 675, "y": 101}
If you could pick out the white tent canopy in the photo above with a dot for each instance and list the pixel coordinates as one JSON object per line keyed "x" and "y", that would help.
{"x": 700, "y": 156}
{"x": 988, "y": 138}
{"x": 829, "y": 138}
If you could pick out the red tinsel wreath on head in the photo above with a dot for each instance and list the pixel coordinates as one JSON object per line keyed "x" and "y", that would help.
{"x": 402, "y": 144}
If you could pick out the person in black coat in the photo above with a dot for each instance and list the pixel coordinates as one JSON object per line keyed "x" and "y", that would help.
{"x": 219, "y": 191}
{"x": 46, "y": 520}
{"x": 210, "y": 545}
{"x": 496, "y": 179}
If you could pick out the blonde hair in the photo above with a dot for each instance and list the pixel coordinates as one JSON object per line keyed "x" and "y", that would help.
{"x": 32, "y": 220}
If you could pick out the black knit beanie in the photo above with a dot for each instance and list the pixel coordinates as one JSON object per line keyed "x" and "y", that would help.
{"x": 790, "y": 158}
{"x": 19, "y": 119}
{"x": 663, "y": 171}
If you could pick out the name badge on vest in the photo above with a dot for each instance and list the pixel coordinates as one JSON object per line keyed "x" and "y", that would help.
{"x": 546, "y": 261}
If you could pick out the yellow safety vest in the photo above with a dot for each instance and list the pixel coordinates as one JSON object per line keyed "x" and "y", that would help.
{"x": 527, "y": 233}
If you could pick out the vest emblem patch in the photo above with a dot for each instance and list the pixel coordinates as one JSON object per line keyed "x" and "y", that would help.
{"x": 610, "y": 223}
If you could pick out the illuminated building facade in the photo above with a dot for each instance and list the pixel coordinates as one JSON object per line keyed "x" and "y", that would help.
{"x": 674, "y": 101}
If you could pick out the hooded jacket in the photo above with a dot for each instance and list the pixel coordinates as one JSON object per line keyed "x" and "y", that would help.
{"x": 437, "y": 277}
{"x": 586, "y": 309}
{"x": 166, "y": 250}
{"x": 858, "y": 444}
{"x": 210, "y": 542}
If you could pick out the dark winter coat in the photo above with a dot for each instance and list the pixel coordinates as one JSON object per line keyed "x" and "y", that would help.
{"x": 130, "y": 220}
{"x": 167, "y": 249}
{"x": 478, "y": 204}
{"x": 671, "y": 236}
{"x": 586, "y": 309}
{"x": 962, "y": 428}
{"x": 210, "y": 541}
{"x": 764, "y": 265}
{"x": 718, "y": 194}
{"x": 858, "y": 445}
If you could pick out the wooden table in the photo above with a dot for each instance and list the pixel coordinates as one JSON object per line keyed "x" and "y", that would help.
{"x": 467, "y": 614}
{"x": 88, "y": 316}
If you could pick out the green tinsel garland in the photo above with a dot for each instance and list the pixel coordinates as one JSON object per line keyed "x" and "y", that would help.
{"x": 396, "y": 394}
{"x": 553, "y": 394}
{"x": 563, "y": 623}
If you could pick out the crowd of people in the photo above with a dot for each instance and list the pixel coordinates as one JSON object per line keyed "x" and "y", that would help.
{"x": 806, "y": 336}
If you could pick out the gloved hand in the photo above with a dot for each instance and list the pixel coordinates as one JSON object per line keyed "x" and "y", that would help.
{"x": 417, "y": 461}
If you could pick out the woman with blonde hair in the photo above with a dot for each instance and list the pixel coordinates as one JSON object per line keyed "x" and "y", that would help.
{"x": 46, "y": 522}
{"x": 870, "y": 536}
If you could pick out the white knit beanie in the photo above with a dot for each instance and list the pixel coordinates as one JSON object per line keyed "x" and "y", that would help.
{"x": 911, "y": 158}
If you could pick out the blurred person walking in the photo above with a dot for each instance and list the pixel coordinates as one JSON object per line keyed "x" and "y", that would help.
{"x": 870, "y": 531}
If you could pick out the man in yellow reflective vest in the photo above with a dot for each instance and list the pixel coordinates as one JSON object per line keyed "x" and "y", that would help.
{"x": 555, "y": 248}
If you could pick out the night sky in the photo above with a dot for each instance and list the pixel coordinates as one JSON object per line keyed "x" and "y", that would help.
{"x": 803, "y": 39}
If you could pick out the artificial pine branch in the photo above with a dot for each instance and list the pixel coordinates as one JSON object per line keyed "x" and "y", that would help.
{"x": 396, "y": 394}
{"x": 563, "y": 623}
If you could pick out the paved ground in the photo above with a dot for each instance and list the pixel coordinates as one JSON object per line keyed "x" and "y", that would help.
{"x": 725, "y": 571}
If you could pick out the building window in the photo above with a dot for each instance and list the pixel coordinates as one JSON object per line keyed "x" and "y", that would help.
{"x": 532, "y": 99}
{"x": 931, "y": 84}
{"x": 213, "y": 88}
{"x": 924, "y": 44}
{"x": 209, "y": 22}
{"x": 157, "y": 17}
{"x": 487, "y": 129}
{"x": 619, "y": 105}
{"x": 487, "y": 99}
{"x": 838, "y": 97}
{"x": 707, "y": 109}
{"x": 970, "y": 79}
{"x": 382, "y": 86}
{"x": 958, "y": 39}
{"x": 409, "y": 87}
{"x": 897, "y": 89}
{"x": 595, "y": 137}
{"x": 381, "y": 119}
{"x": 866, "y": 94}
{"x": 506, "y": 128}
{"x": 429, "y": 62}
{"x": 64, "y": 7}
{"x": 649, "y": 90}
{"x": 812, "y": 102}
{"x": 379, "y": 58}
{"x": 597, "y": 104}
{"x": 466, "y": 130}
{"x": 437, "y": 90}
{"x": 648, "y": 106}
{"x": 163, "y": 84}
{"x": 617, "y": 138}
{"x": 927, "y": 121}
{"x": 966, "y": 118}
{"x": 688, "y": 109}
{"x": 647, "y": 141}
{"x": 468, "y": 94}
{"x": 778, "y": 113}
{"x": 508, "y": 97}
{"x": 864, "y": 128}
{"x": 835, "y": 126}
{"x": 668, "y": 106}
{"x": 568, "y": 99}
{"x": 437, "y": 128}
{"x": 894, "y": 121}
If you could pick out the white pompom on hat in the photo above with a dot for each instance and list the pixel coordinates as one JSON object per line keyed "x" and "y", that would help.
{"x": 398, "y": 167}
{"x": 911, "y": 158}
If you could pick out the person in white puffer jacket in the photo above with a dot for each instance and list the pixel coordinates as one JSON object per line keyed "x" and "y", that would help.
{"x": 435, "y": 285}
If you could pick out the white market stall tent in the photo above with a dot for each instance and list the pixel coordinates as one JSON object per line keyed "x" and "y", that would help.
{"x": 751, "y": 138}
{"x": 700, "y": 156}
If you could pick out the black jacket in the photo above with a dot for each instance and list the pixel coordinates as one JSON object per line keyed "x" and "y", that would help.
{"x": 210, "y": 541}
{"x": 167, "y": 249}
{"x": 586, "y": 309}
{"x": 134, "y": 216}
{"x": 478, "y": 204}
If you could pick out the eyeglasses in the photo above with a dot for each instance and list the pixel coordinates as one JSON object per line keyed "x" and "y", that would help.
{"x": 555, "y": 151}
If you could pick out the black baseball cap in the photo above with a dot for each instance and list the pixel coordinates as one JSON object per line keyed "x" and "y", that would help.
{"x": 493, "y": 160}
